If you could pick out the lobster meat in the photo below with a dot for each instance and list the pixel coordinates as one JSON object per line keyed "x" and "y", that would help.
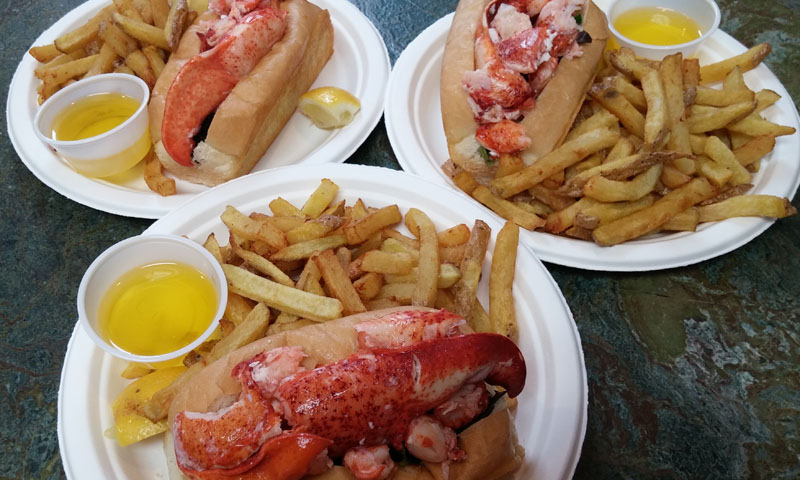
{"x": 412, "y": 390}
{"x": 235, "y": 44}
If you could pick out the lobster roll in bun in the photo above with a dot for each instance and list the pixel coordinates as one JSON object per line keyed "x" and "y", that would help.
{"x": 232, "y": 84}
{"x": 514, "y": 76}
{"x": 400, "y": 393}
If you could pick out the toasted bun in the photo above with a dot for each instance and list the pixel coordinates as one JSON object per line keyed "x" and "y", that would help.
{"x": 491, "y": 443}
{"x": 556, "y": 107}
{"x": 258, "y": 107}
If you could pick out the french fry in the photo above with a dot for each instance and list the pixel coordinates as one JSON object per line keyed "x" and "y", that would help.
{"x": 649, "y": 219}
{"x": 755, "y": 149}
{"x": 560, "y": 220}
{"x": 617, "y": 104}
{"x": 280, "y": 207}
{"x": 237, "y": 308}
{"x": 320, "y": 199}
{"x": 747, "y": 206}
{"x": 717, "y": 174}
{"x": 303, "y": 250}
{"x": 176, "y": 23}
{"x": 746, "y": 61}
{"x": 601, "y": 119}
{"x": 141, "y": 66}
{"x": 312, "y": 229}
{"x": 605, "y": 190}
{"x": 632, "y": 93}
{"x": 121, "y": 42}
{"x": 392, "y": 263}
{"x": 126, "y": 7}
{"x": 507, "y": 209}
{"x": 464, "y": 290}
{"x": 686, "y": 221}
{"x": 428, "y": 267}
{"x": 251, "y": 229}
{"x": 691, "y": 79}
{"x": 368, "y": 286}
{"x": 81, "y": 36}
{"x": 69, "y": 70}
{"x": 672, "y": 79}
{"x": 154, "y": 176}
{"x": 337, "y": 282}
{"x": 720, "y": 153}
{"x": 160, "y": 11}
{"x": 104, "y": 62}
{"x": 603, "y": 213}
{"x": 287, "y": 299}
{"x": 706, "y": 119}
{"x": 154, "y": 58}
{"x": 502, "y": 316}
{"x": 263, "y": 265}
{"x": 655, "y": 123}
{"x": 144, "y": 32}
{"x": 360, "y": 230}
{"x": 44, "y": 53}
{"x": 756, "y": 126}
{"x": 567, "y": 154}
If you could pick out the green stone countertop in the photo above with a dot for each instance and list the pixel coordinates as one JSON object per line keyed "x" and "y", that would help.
{"x": 693, "y": 372}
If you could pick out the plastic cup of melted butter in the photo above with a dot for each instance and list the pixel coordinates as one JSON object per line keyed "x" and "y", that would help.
{"x": 152, "y": 298}
{"x": 99, "y": 124}
{"x": 655, "y": 29}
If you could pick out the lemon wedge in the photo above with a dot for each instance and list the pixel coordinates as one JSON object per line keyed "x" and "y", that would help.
{"x": 329, "y": 107}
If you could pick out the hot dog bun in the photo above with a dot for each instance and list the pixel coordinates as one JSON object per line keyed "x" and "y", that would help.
{"x": 491, "y": 443}
{"x": 556, "y": 106}
{"x": 258, "y": 107}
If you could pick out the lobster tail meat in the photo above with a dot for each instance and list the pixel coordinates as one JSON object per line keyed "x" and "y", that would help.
{"x": 207, "y": 78}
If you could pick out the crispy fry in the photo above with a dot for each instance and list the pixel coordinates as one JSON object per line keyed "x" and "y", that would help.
{"x": 747, "y": 61}
{"x": 720, "y": 153}
{"x": 121, "y": 42}
{"x": 314, "y": 229}
{"x": 502, "y": 316}
{"x": 649, "y": 219}
{"x": 303, "y": 250}
{"x": 428, "y": 266}
{"x": 685, "y": 221}
{"x": 507, "y": 209}
{"x": 287, "y": 299}
{"x": 176, "y": 23}
{"x": 154, "y": 176}
{"x": 605, "y": 190}
{"x": 263, "y": 265}
{"x": 104, "y": 62}
{"x": 81, "y": 36}
{"x": 141, "y": 66}
{"x": 337, "y": 282}
{"x": 706, "y": 119}
{"x": 160, "y": 11}
{"x": 144, "y": 32}
{"x": 617, "y": 104}
{"x": 44, "y": 53}
{"x": 655, "y": 122}
{"x": 368, "y": 286}
{"x": 567, "y": 154}
{"x": 747, "y": 206}
{"x": 251, "y": 229}
{"x": 755, "y": 149}
{"x": 464, "y": 290}
{"x": 361, "y": 229}
{"x": 320, "y": 199}
{"x": 155, "y": 59}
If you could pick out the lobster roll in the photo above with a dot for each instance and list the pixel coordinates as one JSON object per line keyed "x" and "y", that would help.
{"x": 232, "y": 84}
{"x": 347, "y": 399}
{"x": 514, "y": 76}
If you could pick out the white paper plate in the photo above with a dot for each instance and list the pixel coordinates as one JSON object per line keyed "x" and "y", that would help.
{"x": 360, "y": 64}
{"x": 414, "y": 124}
{"x": 551, "y": 418}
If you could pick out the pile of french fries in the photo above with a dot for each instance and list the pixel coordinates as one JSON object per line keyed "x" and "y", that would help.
{"x": 654, "y": 149}
{"x": 127, "y": 36}
{"x": 296, "y": 266}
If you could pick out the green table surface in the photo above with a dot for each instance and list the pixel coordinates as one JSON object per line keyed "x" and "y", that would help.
{"x": 692, "y": 372}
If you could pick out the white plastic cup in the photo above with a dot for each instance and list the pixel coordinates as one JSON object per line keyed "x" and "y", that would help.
{"x": 111, "y": 152}
{"x": 135, "y": 252}
{"x": 704, "y": 12}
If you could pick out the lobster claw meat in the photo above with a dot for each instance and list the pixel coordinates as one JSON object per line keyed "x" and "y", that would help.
{"x": 206, "y": 79}
{"x": 371, "y": 397}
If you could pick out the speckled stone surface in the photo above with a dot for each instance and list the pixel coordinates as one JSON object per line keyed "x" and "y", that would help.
{"x": 693, "y": 372}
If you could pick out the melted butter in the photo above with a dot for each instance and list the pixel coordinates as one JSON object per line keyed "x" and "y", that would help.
{"x": 157, "y": 308}
{"x": 93, "y": 115}
{"x": 657, "y": 26}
